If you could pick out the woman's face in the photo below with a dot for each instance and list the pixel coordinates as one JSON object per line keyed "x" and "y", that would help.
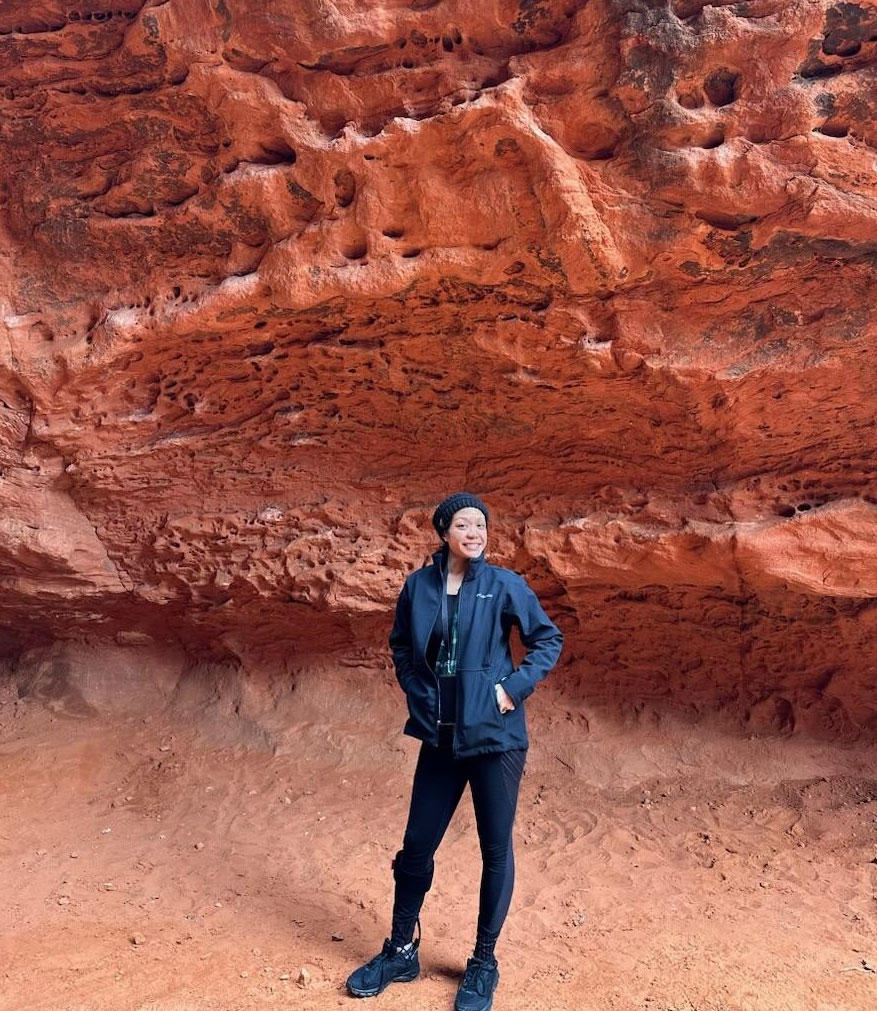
{"x": 467, "y": 534}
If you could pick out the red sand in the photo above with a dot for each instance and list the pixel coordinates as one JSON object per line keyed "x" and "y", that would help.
{"x": 660, "y": 866}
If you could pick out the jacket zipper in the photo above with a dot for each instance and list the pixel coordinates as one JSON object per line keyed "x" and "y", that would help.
{"x": 438, "y": 713}
{"x": 454, "y": 749}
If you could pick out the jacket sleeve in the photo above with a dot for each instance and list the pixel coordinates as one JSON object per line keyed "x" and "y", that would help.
{"x": 541, "y": 638}
{"x": 400, "y": 638}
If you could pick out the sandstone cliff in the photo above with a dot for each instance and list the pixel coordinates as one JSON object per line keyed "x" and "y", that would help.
{"x": 277, "y": 277}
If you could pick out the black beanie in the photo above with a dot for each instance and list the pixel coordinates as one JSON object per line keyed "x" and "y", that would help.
{"x": 441, "y": 518}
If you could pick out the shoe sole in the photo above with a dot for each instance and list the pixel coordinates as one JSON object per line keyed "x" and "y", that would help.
{"x": 373, "y": 993}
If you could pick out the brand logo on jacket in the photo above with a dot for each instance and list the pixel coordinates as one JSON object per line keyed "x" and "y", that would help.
{"x": 483, "y": 596}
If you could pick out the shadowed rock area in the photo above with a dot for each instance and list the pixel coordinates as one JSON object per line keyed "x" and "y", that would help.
{"x": 277, "y": 277}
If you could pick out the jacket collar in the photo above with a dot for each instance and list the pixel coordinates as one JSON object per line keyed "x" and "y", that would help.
{"x": 439, "y": 561}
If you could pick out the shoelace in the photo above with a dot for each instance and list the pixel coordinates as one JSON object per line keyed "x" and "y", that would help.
{"x": 389, "y": 951}
{"x": 477, "y": 977}
{"x": 386, "y": 952}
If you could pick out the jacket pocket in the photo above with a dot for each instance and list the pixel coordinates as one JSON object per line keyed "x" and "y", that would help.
{"x": 421, "y": 703}
{"x": 481, "y": 723}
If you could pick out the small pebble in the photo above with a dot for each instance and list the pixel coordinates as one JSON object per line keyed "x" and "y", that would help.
{"x": 337, "y": 937}
{"x": 105, "y": 831}
{"x": 199, "y": 845}
{"x": 63, "y": 900}
{"x": 244, "y": 975}
{"x": 74, "y": 855}
{"x": 304, "y": 977}
{"x": 284, "y": 975}
{"x": 138, "y": 939}
{"x": 109, "y": 886}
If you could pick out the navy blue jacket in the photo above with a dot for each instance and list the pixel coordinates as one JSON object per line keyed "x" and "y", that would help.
{"x": 492, "y": 600}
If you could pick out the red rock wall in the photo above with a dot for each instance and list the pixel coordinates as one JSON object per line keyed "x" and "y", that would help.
{"x": 275, "y": 277}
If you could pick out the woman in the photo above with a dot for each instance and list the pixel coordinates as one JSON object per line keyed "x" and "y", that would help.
{"x": 450, "y": 643}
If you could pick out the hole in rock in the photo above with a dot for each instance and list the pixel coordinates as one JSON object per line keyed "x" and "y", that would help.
{"x": 841, "y": 43}
{"x": 833, "y": 128}
{"x": 759, "y": 135}
{"x": 684, "y": 9}
{"x": 817, "y": 69}
{"x": 715, "y": 139}
{"x": 726, "y": 222}
{"x": 786, "y": 511}
{"x": 722, "y": 86}
{"x": 804, "y": 507}
{"x": 355, "y": 252}
{"x": 409, "y": 254}
{"x": 277, "y": 152}
{"x": 689, "y": 99}
{"x": 596, "y": 142}
{"x": 393, "y": 233}
{"x": 260, "y": 325}
{"x": 345, "y": 187}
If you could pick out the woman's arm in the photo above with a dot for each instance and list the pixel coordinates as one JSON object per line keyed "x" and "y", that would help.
{"x": 400, "y": 638}
{"x": 541, "y": 638}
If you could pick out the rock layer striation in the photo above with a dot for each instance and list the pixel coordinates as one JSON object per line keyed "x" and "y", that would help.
{"x": 277, "y": 277}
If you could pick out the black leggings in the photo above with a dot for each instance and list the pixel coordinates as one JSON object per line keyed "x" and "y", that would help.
{"x": 439, "y": 781}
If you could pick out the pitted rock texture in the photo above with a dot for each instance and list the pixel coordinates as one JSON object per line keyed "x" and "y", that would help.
{"x": 275, "y": 278}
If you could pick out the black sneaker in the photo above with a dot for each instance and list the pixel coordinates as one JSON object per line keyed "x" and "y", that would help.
{"x": 475, "y": 992}
{"x": 392, "y": 965}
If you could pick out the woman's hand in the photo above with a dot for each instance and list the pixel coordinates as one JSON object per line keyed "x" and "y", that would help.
{"x": 503, "y": 699}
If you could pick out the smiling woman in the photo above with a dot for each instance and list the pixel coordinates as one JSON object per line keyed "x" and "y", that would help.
{"x": 450, "y": 643}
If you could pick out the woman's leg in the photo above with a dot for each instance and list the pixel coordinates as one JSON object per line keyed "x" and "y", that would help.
{"x": 439, "y": 782}
{"x": 495, "y": 779}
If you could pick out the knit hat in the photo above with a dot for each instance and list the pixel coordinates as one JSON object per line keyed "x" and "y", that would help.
{"x": 441, "y": 518}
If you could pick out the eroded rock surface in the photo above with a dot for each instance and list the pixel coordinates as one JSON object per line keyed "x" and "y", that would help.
{"x": 276, "y": 277}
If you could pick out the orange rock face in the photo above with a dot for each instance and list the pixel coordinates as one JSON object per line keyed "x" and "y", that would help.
{"x": 276, "y": 277}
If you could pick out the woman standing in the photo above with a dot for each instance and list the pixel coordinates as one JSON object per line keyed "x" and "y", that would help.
{"x": 450, "y": 643}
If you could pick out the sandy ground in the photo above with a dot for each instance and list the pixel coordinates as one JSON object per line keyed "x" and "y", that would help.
{"x": 660, "y": 866}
